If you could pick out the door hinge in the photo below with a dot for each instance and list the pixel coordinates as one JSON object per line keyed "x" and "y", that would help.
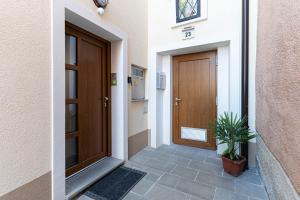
{"x": 216, "y": 100}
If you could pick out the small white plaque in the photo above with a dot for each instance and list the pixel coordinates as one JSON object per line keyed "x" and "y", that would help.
{"x": 188, "y": 33}
{"x": 194, "y": 134}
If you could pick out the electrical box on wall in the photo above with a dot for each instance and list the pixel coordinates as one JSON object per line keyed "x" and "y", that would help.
{"x": 138, "y": 83}
{"x": 161, "y": 81}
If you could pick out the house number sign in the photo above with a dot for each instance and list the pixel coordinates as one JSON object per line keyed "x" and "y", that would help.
{"x": 188, "y": 33}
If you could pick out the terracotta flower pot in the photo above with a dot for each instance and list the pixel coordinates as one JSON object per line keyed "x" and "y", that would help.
{"x": 234, "y": 167}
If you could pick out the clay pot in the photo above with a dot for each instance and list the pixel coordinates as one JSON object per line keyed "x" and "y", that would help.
{"x": 234, "y": 167}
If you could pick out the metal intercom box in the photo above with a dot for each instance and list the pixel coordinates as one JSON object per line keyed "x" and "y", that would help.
{"x": 138, "y": 83}
{"x": 161, "y": 80}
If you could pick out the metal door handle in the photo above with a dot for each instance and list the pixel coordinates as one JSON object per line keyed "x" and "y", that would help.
{"x": 105, "y": 101}
{"x": 177, "y": 100}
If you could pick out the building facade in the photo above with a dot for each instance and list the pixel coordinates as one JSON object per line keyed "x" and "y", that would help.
{"x": 150, "y": 49}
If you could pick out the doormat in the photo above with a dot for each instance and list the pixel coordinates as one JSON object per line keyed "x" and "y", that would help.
{"x": 115, "y": 185}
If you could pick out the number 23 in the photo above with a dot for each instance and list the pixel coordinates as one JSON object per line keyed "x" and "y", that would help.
{"x": 188, "y": 34}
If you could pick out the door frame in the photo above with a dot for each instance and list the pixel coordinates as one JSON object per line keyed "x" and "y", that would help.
{"x": 211, "y": 144}
{"x": 106, "y": 80}
{"x": 72, "y": 11}
{"x": 228, "y": 80}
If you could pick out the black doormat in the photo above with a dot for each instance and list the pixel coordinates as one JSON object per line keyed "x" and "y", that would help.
{"x": 115, "y": 185}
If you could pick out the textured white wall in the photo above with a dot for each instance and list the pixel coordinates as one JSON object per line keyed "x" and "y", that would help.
{"x": 131, "y": 17}
{"x": 224, "y": 17}
{"x": 221, "y": 28}
{"x": 25, "y": 111}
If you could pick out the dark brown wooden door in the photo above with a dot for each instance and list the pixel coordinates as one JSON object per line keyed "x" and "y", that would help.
{"x": 87, "y": 93}
{"x": 194, "y": 99}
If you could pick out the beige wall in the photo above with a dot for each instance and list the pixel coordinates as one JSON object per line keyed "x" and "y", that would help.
{"x": 131, "y": 17}
{"x": 278, "y": 82}
{"x": 25, "y": 111}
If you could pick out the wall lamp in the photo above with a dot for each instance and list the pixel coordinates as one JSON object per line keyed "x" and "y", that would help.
{"x": 101, "y": 4}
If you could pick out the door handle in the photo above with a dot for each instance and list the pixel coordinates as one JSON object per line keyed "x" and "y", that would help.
{"x": 177, "y": 100}
{"x": 105, "y": 101}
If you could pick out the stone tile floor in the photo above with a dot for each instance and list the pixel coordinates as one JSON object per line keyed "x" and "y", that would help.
{"x": 185, "y": 173}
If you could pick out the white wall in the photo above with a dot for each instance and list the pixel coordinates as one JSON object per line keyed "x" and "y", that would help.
{"x": 253, "y": 11}
{"x": 130, "y": 17}
{"x": 25, "y": 111}
{"x": 58, "y": 98}
{"x": 220, "y": 31}
{"x": 223, "y": 18}
{"x": 253, "y": 6}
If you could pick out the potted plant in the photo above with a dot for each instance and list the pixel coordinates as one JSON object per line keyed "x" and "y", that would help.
{"x": 232, "y": 130}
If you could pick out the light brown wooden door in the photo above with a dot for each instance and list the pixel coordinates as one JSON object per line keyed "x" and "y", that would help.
{"x": 87, "y": 93}
{"x": 194, "y": 99}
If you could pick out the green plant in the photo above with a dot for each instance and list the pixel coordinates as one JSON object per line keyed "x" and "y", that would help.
{"x": 232, "y": 130}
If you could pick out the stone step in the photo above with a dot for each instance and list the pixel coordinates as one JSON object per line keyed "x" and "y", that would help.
{"x": 80, "y": 181}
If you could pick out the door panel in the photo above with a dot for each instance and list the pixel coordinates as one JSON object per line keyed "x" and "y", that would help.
{"x": 88, "y": 70}
{"x": 92, "y": 135}
{"x": 194, "y": 99}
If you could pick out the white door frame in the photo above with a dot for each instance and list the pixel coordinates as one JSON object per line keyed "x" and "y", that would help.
{"x": 228, "y": 83}
{"x": 77, "y": 14}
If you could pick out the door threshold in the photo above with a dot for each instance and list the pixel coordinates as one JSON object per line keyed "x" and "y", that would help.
{"x": 83, "y": 179}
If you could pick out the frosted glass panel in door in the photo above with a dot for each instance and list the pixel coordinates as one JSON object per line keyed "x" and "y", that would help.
{"x": 71, "y": 118}
{"x": 71, "y": 50}
{"x": 71, "y": 84}
{"x": 71, "y": 152}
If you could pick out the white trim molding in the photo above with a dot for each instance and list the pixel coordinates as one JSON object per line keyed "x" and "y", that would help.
{"x": 74, "y": 12}
{"x": 229, "y": 82}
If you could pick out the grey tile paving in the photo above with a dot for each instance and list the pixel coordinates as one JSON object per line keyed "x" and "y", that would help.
{"x": 134, "y": 165}
{"x": 225, "y": 174}
{"x": 133, "y": 196}
{"x": 252, "y": 190}
{"x": 148, "y": 153}
{"x": 222, "y": 194}
{"x": 140, "y": 159}
{"x": 196, "y": 189}
{"x": 195, "y": 198}
{"x": 189, "y": 155}
{"x": 252, "y": 198}
{"x": 142, "y": 187}
{"x": 185, "y": 173}
{"x": 253, "y": 170}
{"x": 214, "y": 161}
{"x": 83, "y": 197}
{"x": 181, "y": 161}
{"x": 201, "y": 166}
{"x": 169, "y": 180}
{"x": 152, "y": 177}
{"x": 251, "y": 178}
{"x": 159, "y": 192}
{"x": 214, "y": 180}
{"x": 153, "y": 171}
{"x": 160, "y": 165}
